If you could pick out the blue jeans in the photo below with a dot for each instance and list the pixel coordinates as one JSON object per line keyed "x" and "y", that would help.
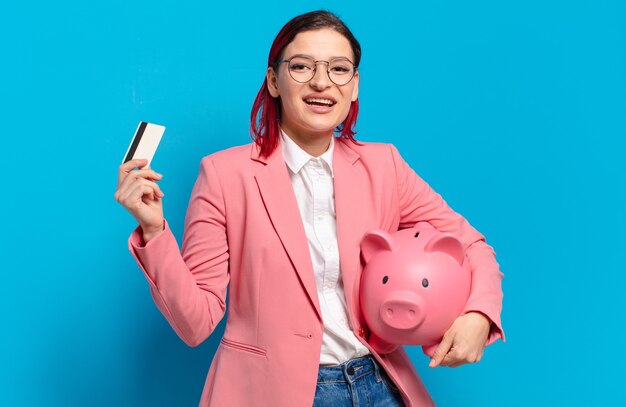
{"x": 357, "y": 382}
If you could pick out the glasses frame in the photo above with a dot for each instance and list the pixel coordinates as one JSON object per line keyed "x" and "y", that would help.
{"x": 315, "y": 62}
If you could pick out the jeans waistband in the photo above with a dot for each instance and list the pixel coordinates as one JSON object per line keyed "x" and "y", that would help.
{"x": 349, "y": 371}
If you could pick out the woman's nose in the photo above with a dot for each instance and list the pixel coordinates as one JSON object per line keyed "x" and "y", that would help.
{"x": 320, "y": 79}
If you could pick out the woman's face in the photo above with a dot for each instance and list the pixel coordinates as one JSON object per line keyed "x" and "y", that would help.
{"x": 301, "y": 114}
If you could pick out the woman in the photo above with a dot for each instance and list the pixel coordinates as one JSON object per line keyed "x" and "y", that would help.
{"x": 279, "y": 221}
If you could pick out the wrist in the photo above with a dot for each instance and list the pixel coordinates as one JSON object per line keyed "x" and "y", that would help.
{"x": 150, "y": 233}
{"x": 482, "y": 317}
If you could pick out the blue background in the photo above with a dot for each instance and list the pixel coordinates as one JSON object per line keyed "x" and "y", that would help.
{"x": 514, "y": 111}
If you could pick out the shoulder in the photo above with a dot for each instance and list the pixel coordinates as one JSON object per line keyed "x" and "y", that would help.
{"x": 369, "y": 151}
{"x": 230, "y": 156}
{"x": 242, "y": 151}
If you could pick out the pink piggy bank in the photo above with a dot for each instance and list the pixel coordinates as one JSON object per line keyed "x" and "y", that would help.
{"x": 415, "y": 283}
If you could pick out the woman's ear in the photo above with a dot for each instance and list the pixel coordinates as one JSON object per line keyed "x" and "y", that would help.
{"x": 355, "y": 91}
{"x": 272, "y": 82}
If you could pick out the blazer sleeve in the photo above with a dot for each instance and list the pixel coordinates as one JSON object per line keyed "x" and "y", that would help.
{"x": 189, "y": 288}
{"x": 419, "y": 202}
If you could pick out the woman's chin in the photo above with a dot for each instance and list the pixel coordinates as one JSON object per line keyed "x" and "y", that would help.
{"x": 313, "y": 129}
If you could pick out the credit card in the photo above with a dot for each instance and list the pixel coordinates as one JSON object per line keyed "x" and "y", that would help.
{"x": 145, "y": 142}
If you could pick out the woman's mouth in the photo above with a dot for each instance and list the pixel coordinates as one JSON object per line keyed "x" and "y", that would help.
{"x": 320, "y": 102}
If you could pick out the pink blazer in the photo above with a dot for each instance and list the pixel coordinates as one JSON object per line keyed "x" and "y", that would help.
{"x": 243, "y": 231}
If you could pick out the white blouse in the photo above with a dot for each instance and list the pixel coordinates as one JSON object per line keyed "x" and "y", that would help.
{"x": 312, "y": 181}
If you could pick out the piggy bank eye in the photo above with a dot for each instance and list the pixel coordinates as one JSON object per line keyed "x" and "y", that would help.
{"x": 425, "y": 283}
{"x": 417, "y": 234}
{"x": 385, "y": 279}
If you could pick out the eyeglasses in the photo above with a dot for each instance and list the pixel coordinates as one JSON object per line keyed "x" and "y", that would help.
{"x": 302, "y": 69}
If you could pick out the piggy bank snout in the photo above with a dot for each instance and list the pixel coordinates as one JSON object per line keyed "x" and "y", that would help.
{"x": 402, "y": 310}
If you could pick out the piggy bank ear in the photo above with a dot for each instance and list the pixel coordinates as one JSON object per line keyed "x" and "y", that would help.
{"x": 375, "y": 241}
{"x": 448, "y": 244}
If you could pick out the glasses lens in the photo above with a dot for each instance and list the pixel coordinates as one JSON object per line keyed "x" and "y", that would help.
{"x": 302, "y": 69}
{"x": 341, "y": 71}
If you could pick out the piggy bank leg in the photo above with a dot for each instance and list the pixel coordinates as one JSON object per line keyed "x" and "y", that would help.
{"x": 429, "y": 350}
{"x": 380, "y": 345}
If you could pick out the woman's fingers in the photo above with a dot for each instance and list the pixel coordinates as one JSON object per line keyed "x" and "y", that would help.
{"x": 128, "y": 166}
{"x": 460, "y": 354}
{"x": 131, "y": 194}
{"x": 143, "y": 173}
{"x": 449, "y": 360}
{"x": 442, "y": 350}
{"x": 464, "y": 342}
{"x": 133, "y": 177}
{"x": 138, "y": 192}
{"x": 144, "y": 170}
{"x": 456, "y": 358}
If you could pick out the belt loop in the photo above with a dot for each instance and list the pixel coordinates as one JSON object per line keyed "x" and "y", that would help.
{"x": 376, "y": 368}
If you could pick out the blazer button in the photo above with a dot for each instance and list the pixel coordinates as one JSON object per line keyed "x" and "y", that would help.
{"x": 361, "y": 332}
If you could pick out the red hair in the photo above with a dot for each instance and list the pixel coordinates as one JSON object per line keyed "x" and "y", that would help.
{"x": 265, "y": 116}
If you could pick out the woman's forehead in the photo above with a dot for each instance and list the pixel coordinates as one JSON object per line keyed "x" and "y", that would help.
{"x": 320, "y": 44}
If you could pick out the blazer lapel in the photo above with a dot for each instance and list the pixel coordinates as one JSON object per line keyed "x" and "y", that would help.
{"x": 281, "y": 205}
{"x": 349, "y": 195}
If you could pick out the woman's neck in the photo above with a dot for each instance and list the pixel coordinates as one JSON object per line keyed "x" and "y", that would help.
{"x": 315, "y": 145}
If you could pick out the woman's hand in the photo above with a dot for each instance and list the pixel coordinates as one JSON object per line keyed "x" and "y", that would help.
{"x": 464, "y": 342}
{"x": 138, "y": 192}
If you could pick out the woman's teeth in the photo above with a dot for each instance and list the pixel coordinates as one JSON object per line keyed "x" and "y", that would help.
{"x": 316, "y": 101}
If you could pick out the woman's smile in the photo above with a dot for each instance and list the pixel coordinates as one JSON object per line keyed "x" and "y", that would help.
{"x": 320, "y": 103}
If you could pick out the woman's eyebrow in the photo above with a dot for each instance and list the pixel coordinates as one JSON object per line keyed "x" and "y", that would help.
{"x": 302, "y": 55}
{"x": 313, "y": 58}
